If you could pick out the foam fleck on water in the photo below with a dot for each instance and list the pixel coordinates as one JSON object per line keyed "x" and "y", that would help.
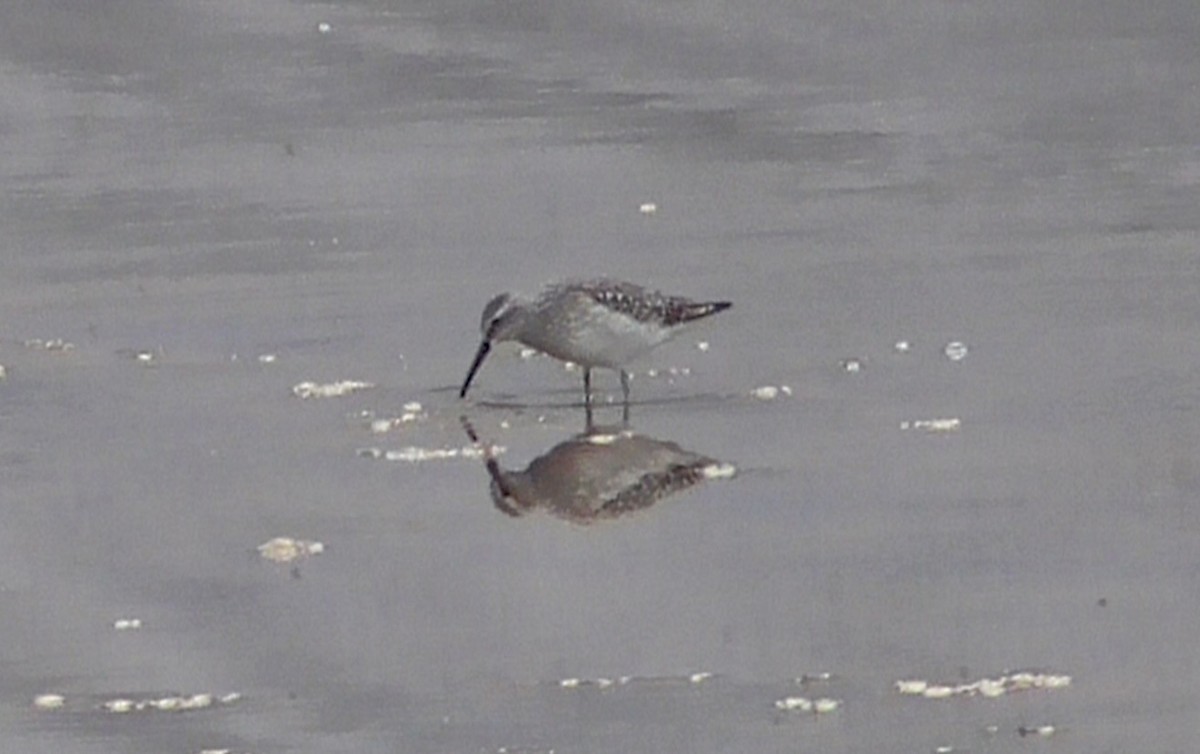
{"x": 414, "y": 454}
{"x": 330, "y": 389}
{"x": 49, "y": 701}
{"x": 794, "y": 704}
{"x": 821, "y": 706}
{"x": 952, "y": 424}
{"x": 287, "y": 549}
{"x": 990, "y": 688}
{"x": 181, "y": 703}
{"x": 955, "y": 350}
{"x": 821, "y": 677}
{"x": 719, "y": 471}
{"x": 913, "y": 687}
{"x": 770, "y": 392}
{"x": 51, "y": 344}
{"x": 413, "y": 412}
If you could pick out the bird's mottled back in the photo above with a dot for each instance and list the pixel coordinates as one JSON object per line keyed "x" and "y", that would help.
{"x": 646, "y": 305}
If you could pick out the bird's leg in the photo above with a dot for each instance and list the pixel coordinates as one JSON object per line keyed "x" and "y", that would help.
{"x": 625, "y": 394}
{"x": 587, "y": 396}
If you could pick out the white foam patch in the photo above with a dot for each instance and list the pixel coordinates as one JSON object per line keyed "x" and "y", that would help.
{"x": 770, "y": 392}
{"x": 50, "y": 344}
{"x": 188, "y": 703}
{"x": 986, "y": 687}
{"x": 49, "y": 701}
{"x": 287, "y": 549}
{"x": 329, "y": 389}
{"x": 720, "y": 471}
{"x": 696, "y": 678}
{"x": 414, "y": 454}
{"x": 948, "y": 424}
{"x": 794, "y": 704}
{"x": 823, "y": 676}
{"x": 413, "y": 412}
{"x": 821, "y": 706}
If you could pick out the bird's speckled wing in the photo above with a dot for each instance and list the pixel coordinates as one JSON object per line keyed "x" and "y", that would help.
{"x": 643, "y": 305}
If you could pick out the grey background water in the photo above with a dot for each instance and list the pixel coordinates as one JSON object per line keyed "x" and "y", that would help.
{"x": 212, "y": 181}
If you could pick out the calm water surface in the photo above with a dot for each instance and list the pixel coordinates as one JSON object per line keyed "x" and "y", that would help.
{"x": 214, "y": 202}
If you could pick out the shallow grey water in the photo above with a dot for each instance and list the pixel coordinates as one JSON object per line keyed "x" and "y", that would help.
{"x": 209, "y": 183}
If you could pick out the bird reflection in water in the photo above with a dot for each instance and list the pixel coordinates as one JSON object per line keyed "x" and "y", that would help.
{"x": 598, "y": 475}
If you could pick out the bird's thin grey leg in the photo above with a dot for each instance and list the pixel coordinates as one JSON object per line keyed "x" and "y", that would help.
{"x": 587, "y": 387}
{"x": 625, "y": 393}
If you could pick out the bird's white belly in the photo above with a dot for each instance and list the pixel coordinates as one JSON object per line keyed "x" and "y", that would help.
{"x": 597, "y": 337}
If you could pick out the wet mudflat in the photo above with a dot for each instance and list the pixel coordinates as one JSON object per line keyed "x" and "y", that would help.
{"x": 930, "y": 484}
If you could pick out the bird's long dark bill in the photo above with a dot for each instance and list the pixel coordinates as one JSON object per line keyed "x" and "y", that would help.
{"x": 480, "y": 355}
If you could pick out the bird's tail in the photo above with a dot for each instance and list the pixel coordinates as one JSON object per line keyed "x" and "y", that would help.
{"x": 691, "y": 310}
